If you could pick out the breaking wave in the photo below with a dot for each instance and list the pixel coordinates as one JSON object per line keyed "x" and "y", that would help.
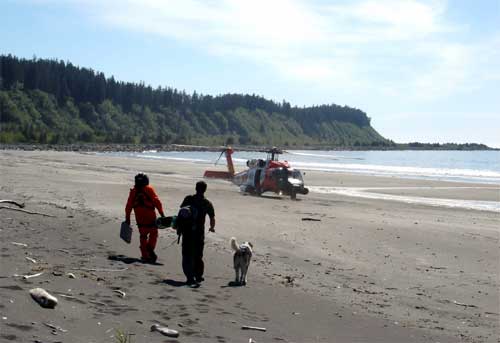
{"x": 370, "y": 193}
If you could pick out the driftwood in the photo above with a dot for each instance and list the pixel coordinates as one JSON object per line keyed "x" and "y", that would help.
{"x": 55, "y": 327}
{"x": 42, "y": 297}
{"x": 66, "y": 296}
{"x": 364, "y": 291}
{"x": 311, "y": 219}
{"x": 246, "y": 327}
{"x": 462, "y": 304}
{"x": 26, "y": 277}
{"x": 26, "y": 211}
{"x": 122, "y": 293}
{"x": 164, "y": 330}
{"x": 97, "y": 303}
{"x": 432, "y": 267}
{"x": 21, "y": 205}
{"x": 31, "y": 259}
{"x": 19, "y": 244}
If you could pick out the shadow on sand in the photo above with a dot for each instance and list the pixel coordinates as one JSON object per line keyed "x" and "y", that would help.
{"x": 233, "y": 284}
{"x": 129, "y": 260}
{"x": 271, "y": 197}
{"x": 176, "y": 283}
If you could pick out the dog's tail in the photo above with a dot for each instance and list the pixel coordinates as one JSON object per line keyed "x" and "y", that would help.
{"x": 234, "y": 244}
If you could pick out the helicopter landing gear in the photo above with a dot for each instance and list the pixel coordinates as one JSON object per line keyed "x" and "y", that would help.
{"x": 252, "y": 190}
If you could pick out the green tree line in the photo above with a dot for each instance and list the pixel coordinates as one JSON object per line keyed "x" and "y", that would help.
{"x": 51, "y": 101}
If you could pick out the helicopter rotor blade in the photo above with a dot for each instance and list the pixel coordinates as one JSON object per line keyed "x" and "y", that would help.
{"x": 217, "y": 161}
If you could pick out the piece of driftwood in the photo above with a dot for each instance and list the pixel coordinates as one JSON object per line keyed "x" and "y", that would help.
{"x": 122, "y": 293}
{"x": 97, "y": 303}
{"x": 32, "y": 260}
{"x": 26, "y": 277}
{"x": 364, "y": 291}
{"x": 43, "y": 298}
{"x": 19, "y": 244}
{"x": 164, "y": 330}
{"x": 311, "y": 219}
{"x": 66, "y": 296}
{"x": 71, "y": 275}
{"x": 247, "y": 327}
{"x": 21, "y": 205}
{"x": 55, "y": 327}
{"x": 462, "y": 304}
{"x": 26, "y": 211}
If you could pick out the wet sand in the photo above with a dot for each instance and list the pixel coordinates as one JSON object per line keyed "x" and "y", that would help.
{"x": 363, "y": 270}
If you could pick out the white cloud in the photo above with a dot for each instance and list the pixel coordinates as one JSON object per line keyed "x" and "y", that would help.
{"x": 390, "y": 20}
{"x": 403, "y": 48}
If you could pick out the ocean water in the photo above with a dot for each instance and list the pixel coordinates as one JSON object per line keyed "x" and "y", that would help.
{"x": 463, "y": 166}
{"x": 460, "y": 166}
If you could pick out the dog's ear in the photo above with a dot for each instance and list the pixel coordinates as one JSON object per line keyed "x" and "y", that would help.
{"x": 250, "y": 244}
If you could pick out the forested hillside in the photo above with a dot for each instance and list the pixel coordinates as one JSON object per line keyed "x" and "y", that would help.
{"x": 50, "y": 101}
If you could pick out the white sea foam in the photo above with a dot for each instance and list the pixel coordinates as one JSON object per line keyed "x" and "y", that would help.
{"x": 370, "y": 193}
{"x": 159, "y": 157}
{"x": 489, "y": 176}
{"x": 329, "y": 157}
{"x": 449, "y": 166}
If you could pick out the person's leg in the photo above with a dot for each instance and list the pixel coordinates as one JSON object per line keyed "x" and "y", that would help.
{"x": 152, "y": 239}
{"x": 187, "y": 258}
{"x": 143, "y": 239}
{"x": 199, "y": 265}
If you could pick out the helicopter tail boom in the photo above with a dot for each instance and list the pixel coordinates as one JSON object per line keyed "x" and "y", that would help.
{"x": 228, "y": 175}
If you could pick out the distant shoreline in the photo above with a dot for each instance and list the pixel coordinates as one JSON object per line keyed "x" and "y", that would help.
{"x": 116, "y": 147}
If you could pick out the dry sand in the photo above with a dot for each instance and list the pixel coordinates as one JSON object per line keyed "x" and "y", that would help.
{"x": 365, "y": 271}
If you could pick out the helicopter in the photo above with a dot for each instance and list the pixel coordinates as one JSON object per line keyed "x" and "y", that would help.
{"x": 269, "y": 175}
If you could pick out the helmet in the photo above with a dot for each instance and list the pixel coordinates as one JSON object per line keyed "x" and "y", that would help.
{"x": 141, "y": 180}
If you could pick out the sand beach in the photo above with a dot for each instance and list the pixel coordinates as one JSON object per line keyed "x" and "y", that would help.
{"x": 329, "y": 267}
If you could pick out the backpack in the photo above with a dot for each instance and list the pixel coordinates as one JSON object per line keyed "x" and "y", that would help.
{"x": 186, "y": 220}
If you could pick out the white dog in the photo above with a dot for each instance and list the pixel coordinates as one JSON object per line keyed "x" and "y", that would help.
{"x": 241, "y": 259}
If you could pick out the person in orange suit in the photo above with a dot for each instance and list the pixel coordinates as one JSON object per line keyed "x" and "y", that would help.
{"x": 144, "y": 201}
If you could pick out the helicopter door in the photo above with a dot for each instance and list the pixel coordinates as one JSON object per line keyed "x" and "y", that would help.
{"x": 257, "y": 179}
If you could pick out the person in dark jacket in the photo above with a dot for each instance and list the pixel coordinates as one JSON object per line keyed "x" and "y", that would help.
{"x": 193, "y": 237}
{"x": 144, "y": 201}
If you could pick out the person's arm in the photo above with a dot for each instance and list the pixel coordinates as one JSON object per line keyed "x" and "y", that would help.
{"x": 156, "y": 200}
{"x": 212, "y": 224}
{"x": 128, "y": 207}
{"x": 211, "y": 215}
{"x": 186, "y": 201}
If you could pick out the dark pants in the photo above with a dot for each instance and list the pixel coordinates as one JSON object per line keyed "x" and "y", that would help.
{"x": 192, "y": 255}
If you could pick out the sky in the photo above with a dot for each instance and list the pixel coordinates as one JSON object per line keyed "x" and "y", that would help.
{"x": 422, "y": 70}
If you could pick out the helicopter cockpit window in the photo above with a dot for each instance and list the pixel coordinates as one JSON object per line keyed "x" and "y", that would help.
{"x": 295, "y": 174}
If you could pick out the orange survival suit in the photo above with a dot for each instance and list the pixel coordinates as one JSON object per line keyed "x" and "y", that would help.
{"x": 144, "y": 200}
